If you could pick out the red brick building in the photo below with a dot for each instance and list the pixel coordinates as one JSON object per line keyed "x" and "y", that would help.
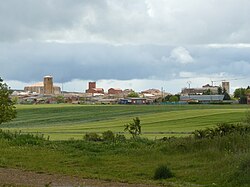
{"x": 115, "y": 91}
{"x": 92, "y": 88}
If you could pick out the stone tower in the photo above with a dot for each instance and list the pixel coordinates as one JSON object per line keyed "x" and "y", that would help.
{"x": 48, "y": 85}
{"x": 92, "y": 85}
{"x": 225, "y": 85}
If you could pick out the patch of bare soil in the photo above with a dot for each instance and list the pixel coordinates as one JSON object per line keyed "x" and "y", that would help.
{"x": 17, "y": 177}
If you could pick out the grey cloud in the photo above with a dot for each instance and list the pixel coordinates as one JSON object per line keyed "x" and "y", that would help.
{"x": 126, "y": 21}
{"x": 29, "y": 61}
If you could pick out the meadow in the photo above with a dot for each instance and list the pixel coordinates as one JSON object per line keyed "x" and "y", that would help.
{"x": 222, "y": 160}
{"x": 62, "y": 122}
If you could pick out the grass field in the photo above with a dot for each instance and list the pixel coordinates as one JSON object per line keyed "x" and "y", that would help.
{"x": 62, "y": 122}
{"x": 218, "y": 161}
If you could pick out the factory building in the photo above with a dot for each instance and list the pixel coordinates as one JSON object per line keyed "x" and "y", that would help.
{"x": 46, "y": 87}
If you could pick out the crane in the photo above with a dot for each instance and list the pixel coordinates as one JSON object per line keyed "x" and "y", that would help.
{"x": 224, "y": 80}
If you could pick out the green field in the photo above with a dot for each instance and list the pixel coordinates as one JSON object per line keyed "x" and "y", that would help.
{"x": 62, "y": 122}
{"x": 219, "y": 161}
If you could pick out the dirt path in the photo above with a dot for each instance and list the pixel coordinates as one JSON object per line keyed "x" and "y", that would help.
{"x": 16, "y": 177}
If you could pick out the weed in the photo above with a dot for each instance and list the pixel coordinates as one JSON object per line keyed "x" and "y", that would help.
{"x": 92, "y": 136}
{"x": 163, "y": 172}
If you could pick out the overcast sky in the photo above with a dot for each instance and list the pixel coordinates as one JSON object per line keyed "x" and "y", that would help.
{"x": 128, "y": 44}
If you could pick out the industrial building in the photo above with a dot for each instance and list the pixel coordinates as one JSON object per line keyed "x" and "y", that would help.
{"x": 199, "y": 91}
{"x": 202, "y": 98}
{"x": 46, "y": 87}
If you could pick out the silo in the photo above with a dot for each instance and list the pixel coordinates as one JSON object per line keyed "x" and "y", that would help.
{"x": 48, "y": 85}
{"x": 225, "y": 85}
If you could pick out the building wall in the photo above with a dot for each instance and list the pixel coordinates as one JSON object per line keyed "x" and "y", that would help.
{"x": 37, "y": 89}
{"x": 92, "y": 85}
{"x": 248, "y": 99}
{"x": 114, "y": 91}
{"x": 94, "y": 90}
{"x": 56, "y": 90}
{"x": 225, "y": 85}
{"x": 48, "y": 85}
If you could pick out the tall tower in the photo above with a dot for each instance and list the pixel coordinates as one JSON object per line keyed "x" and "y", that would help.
{"x": 225, "y": 85}
{"x": 92, "y": 85}
{"x": 48, "y": 85}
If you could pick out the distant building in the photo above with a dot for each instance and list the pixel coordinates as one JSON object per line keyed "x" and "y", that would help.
{"x": 134, "y": 101}
{"x": 155, "y": 92}
{"x": 93, "y": 90}
{"x": 46, "y": 87}
{"x": 115, "y": 91}
{"x": 248, "y": 98}
{"x": 225, "y": 85}
{"x": 202, "y": 98}
{"x": 200, "y": 91}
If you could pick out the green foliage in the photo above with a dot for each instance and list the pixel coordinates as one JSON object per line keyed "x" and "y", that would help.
{"x": 163, "y": 172}
{"x": 222, "y": 129}
{"x": 134, "y": 128}
{"x": 92, "y": 136}
{"x": 207, "y": 92}
{"x": 120, "y": 138}
{"x": 108, "y": 136}
{"x": 174, "y": 98}
{"x": 60, "y": 99}
{"x": 18, "y": 138}
{"x": 239, "y": 92}
{"x": 7, "y": 108}
{"x": 195, "y": 162}
{"x": 133, "y": 94}
{"x": 241, "y": 176}
{"x": 247, "y": 117}
{"x": 219, "y": 90}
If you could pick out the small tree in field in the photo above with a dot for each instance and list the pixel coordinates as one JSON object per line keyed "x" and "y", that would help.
{"x": 7, "y": 108}
{"x": 134, "y": 128}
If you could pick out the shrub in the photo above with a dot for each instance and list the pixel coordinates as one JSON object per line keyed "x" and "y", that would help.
{"x": 222, "y": 129}
{"x": 92, "y": 136}
{"x": 120, "y": 138}
{"x": 108, "y": 136}
{"x": 242, "y": 175}
{"x": 134, "y": 128}
{"x": 163, "y": 172}
{"x": 247, "y": 117}
{"x": 22, "y": 139}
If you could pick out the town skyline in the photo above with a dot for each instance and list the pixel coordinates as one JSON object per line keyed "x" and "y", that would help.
{"x": 138, "y": 44}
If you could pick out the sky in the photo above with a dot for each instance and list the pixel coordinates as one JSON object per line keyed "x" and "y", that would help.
{"x": 142, "y": 44}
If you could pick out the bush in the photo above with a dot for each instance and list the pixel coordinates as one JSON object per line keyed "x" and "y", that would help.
{"x": 242, "y": 175}
{"x": 120, "y": 138}
{"x": 108, "y": 136}
{"x": 18, "y": 138}
{"x": 162, "y": 172}
{"x": 222, "y": 129}
{"x": 92, "y": 136}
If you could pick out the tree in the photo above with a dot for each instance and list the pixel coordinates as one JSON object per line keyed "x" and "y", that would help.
{"x": 239, "y": 92}
{"x": 7, "y": 108}
{"x": 219, "y": 90}
{"x": 174, "y": 98}
{"x": 133, "y": 94}
{"x": 134, "y": 128}
{"x": 207, "y": 92}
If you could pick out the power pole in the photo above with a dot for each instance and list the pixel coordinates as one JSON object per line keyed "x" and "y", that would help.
{"x": 189, "y": 83}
